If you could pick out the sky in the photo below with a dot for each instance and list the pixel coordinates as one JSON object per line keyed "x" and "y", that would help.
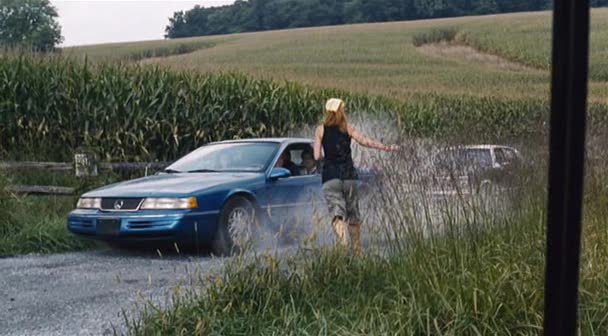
{"x": 103, "y": 21}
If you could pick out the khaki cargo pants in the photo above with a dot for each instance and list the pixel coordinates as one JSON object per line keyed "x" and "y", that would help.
{"x": 342, "y": 200}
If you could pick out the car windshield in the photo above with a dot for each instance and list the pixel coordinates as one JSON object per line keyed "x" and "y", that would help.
{"x": 242, "y": 156}
{"x": 465, "y": 158}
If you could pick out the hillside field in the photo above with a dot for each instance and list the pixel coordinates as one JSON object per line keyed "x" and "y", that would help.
{"x": 381, "y": 59}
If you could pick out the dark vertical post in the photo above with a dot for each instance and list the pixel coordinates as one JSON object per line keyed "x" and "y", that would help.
{"x": 566, "y": 167}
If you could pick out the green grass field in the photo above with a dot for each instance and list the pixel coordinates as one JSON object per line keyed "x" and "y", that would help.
{"x": 380, "y": 58}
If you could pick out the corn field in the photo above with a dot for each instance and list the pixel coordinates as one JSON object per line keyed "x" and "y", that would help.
{"x": 51, "y": 106}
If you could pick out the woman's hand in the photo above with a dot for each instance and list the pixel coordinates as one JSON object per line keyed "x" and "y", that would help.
{"x": 392, "y": 148}
{"x": 367, "y": 142}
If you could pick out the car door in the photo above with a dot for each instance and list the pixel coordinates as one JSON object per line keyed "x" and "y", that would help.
{"x": 294, "y": 199}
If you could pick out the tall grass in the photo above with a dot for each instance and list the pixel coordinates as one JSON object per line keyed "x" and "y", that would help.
{"x": 39, "y": 226}
{"x": 435, "y": 36}
{"x": 474, "y": 273}
{"x": 35, "y": 224}
{"x": 458, "y": 265}
{"x": 7, "y": 202}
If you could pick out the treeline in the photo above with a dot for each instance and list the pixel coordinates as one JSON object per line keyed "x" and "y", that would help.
{"x": 258, "y": 15}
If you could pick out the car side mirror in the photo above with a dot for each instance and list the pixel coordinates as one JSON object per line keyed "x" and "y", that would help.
{"x": 278, "y": 173}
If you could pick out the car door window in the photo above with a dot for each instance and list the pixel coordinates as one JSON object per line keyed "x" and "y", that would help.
{"x": 307, "y": 162}
{"x": 505, "y": 156}
{"x": 501, "y": 156}
{"x": 301, "y": 160}
{"x": 510, "y": 154}
{"x": 286, "y": 161}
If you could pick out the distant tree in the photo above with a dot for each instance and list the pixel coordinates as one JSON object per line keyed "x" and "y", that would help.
{"x": 256, "y": 15}
{"x": 177, "y": 26}
{"x": 259, "y": 11}
{"x": 353, "y": 12}
{"x": 244, "y": 16}
{"x": 433, "y": 8}
{"x": 29, "y": 24}
{"x": 192, "y": 23}
{"x": 325, "y": 12}
{"x": 522, "y": 5}
{"x": 485, "y": 6}
{"x": 197, "y": 21}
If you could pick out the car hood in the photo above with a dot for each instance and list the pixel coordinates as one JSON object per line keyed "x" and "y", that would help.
{"x": 168, "y": 185}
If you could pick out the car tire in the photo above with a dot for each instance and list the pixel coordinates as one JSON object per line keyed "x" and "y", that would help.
{"x": 237, "y": 226}
{"x": 486, "y": 187}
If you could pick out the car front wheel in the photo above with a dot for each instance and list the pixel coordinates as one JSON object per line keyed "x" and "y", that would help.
{"x": 236, "y": 228}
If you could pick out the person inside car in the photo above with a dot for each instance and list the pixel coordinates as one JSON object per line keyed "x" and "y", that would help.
{"x": 309, "y": 166}
{"x": 284, "y": 161}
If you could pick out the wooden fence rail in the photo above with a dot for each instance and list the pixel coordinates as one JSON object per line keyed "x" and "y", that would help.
{"x": 41, "y": 190}
{"x": 51, "y": 166}
{"x": 68, "y": 166}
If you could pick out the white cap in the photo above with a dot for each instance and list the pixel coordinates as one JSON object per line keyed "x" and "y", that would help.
{"x": 333, "y": 104}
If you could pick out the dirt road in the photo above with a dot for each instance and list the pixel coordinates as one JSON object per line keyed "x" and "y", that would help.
{"x": 84, "y": 293}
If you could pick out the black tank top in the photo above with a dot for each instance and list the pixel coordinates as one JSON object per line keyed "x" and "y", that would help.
{"x": 338, "y": 162}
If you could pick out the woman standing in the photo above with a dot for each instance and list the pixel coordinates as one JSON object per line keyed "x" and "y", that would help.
{"x": 339, "y": 175}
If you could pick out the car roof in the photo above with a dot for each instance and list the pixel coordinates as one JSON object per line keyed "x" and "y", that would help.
{"x": 274, "y": 140}
{"x": 485, "y": 146}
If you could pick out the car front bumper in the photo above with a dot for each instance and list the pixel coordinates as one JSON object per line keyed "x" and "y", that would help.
{"x": 149, "y": 225}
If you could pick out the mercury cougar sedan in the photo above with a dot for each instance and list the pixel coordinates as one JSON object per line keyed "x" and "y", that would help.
{"x": 201, "y": 197}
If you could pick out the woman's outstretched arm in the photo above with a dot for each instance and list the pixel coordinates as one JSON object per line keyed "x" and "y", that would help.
{"x": 367, "y": 142}
{"x": 317, "y": 145}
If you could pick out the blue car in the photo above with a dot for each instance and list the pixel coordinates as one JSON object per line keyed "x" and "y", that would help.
{"x": 202, "y": 196}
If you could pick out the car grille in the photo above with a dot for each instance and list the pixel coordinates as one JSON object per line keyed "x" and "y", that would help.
{"x": 81, "y": 223}
{"x": 120, "y": 204}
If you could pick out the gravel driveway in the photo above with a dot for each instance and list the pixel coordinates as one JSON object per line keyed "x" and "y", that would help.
{"x": 84, "y": 293}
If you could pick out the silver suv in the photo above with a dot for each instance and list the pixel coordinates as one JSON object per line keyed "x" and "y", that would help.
{"x": 477, "y": 168}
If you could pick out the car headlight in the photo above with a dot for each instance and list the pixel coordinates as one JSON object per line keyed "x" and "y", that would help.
{"x": 89, "y": 203}
{"x": 165, "y": 203}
